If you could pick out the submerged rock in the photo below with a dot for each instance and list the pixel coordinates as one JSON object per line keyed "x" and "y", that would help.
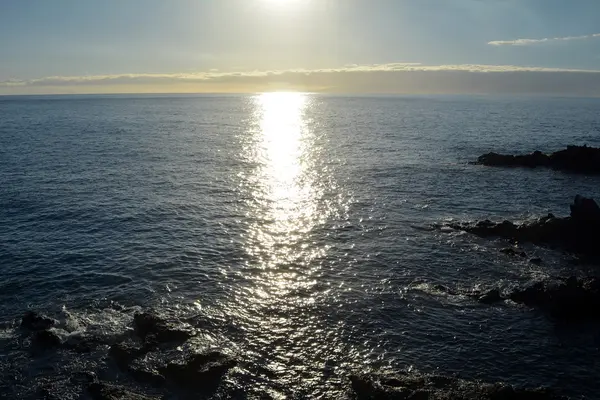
{"x": 578, "y": 233}
{"x": 578, "y": 159}
{"x": 151, "y": 328}
{"x": 407, "y": 386}
{"x": 36, "y": 322}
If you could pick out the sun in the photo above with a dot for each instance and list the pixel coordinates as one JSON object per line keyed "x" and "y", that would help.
{"x": 282, "y": 2}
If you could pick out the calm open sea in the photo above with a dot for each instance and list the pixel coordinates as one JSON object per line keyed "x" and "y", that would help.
{"x": 293, "y": 229}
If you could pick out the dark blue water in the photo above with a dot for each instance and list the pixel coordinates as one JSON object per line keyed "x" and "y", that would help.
{"x": 293, "y": 230}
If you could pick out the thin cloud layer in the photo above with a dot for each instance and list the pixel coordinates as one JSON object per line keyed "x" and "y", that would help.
{"x": 377, "y": 78}
{"x": 529, "y": 42}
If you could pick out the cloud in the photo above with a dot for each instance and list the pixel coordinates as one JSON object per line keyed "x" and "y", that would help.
{"x": 529, "y": 42}
{"x": 375, "y": 78}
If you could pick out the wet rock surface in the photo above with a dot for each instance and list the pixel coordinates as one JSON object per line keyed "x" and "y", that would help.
{"x": 124, "y": 353}
{"x": 147, "y": 364}
{"x": 566, "y": 299}
{"x": 577, "y": 233}
{"x": 45, "y": 340}
{"x": 148, "y": 371}
{"x": 151, "y": 328}
{"x": 576, "y": 159}
{"x": 149, "y": 356}
{"x": 36, "y": 322}
{"x": 200, "y": 370}
{"x": 432, "y": 387}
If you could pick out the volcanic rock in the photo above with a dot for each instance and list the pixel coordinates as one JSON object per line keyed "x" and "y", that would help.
{"x": 577, "y": 159}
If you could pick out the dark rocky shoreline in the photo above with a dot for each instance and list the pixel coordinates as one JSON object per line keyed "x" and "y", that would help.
{"x": 567, "y": 299}
{"x": 147, "y": 353}
{"x": 575, "y": 159}
{"x": 578, "y": 233}
{"x": 147, "y": 358}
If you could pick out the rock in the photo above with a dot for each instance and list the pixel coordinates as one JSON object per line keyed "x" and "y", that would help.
{"x": 578, "y": 233}
{"x": 127, "y": 357}
{"x": 45, "y": 340}
{"x": 406, "y": 386}
{"x": 584, "y": 210}
{"x": 579, "y": 159}
{"x": 513, "y": 252}
{"x": 443, "y": 289}
{"x": 152, "y": 328}
{"x": 569, "y": 299}
{"x": 493, "y": 296}
{"x": 201, "y": 371}
{"x": 84, "y": 377}
{"x": 576, "y": 159}
{"x": 104, "y": 391}
{"x": 144, "y": 373}
{"x": 536, "y": 260}
{"x": 83, "y": 344}
{"x": 36, "y": 322}
{"x": 123, "y": 354}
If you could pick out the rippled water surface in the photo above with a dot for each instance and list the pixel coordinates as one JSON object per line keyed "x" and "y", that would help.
{"x": 293, "y": 230}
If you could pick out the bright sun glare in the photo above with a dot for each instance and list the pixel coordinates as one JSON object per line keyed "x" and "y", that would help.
{"x": 283, "y": 1}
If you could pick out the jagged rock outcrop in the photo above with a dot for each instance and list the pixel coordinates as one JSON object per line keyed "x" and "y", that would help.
{"x": 567, "y": 299}
{"x": 577, "y": 159}
{"x": 578, "y": 233}
{"x": 201, "y": 372}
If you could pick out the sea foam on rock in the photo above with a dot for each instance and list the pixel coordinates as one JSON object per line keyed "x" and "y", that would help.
{"x": 578, "y": 159}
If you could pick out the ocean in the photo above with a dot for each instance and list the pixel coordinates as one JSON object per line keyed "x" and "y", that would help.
{"x": 298, "y": 233}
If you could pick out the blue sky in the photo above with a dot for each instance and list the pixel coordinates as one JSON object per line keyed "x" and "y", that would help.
{"x": 210, "y": 45}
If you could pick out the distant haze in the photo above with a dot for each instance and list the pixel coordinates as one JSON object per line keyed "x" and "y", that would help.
{"x": 334, "y": 46}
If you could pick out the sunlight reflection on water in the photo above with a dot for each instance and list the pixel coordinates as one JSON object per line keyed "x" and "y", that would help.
{"x": 285, "y": 189}
{"x": 284, "y": 195}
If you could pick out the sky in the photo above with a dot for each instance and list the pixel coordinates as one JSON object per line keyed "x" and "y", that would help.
{"x": 336, "y": 46}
